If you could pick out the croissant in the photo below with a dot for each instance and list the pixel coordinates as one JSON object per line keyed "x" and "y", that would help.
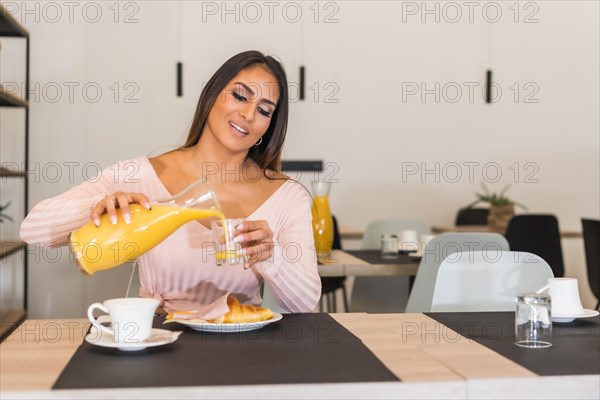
{"x": 237, "y": 313}
{"x": 243, "y": 313}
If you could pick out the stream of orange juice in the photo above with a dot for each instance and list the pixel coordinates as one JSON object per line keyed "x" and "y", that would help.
{"x": 106, "y": 246}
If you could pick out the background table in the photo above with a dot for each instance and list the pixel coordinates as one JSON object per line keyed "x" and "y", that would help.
{"x": 348, "y": 233}
{"x": 354, "y": 234}
{"x": 488, "y": 229}
{"x": 349, "y": 263}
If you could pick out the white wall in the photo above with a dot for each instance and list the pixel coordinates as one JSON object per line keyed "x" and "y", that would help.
{"x": 370, "y": 55}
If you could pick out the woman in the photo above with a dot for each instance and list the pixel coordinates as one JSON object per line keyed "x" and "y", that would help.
{"x": 235, "y": 142}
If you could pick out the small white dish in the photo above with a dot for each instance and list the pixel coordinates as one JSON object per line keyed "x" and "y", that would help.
{"x": 158, "y": 337}
{"x": 417, "y": 254}
{"x": 226, "y": 328}
{"x": 570, "y": 318}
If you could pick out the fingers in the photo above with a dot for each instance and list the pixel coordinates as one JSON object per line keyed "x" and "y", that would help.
{"x": 111, "y": 210}
{"x": 123, "y": 201}
{"x": 118, "y": 200}
{"x": 258, "y": 253}
{"x": 140, "y": 198}
{"x": 97, "y": 211}
{"x": 250, "y": 231}
{"x": 259, "y": 237}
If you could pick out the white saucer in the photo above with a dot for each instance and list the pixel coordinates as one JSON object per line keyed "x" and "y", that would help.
{"x": 158, "y": 337}
{"x": 571, "y": 318}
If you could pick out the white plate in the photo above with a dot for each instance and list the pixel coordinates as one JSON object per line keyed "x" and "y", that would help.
{"x": 227, "y": 328}
{"x": 158, "y": 337}
{"x": 571, "y": 318}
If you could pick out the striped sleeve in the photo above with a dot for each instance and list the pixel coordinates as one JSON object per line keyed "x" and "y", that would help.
{"x": 292, "y": 273}
{"x": 51, "y": 220}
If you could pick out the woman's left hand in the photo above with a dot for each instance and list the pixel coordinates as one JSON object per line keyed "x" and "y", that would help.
{"x": 256, "y": 238}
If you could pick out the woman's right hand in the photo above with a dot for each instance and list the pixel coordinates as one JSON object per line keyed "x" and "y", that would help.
{"x": 121, "y": 200}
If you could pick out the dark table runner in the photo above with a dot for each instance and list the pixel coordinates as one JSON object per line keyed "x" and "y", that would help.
{"x": 301, "y": 348}
{"x": 575, "y": 346}
{"x": 374, "y": 257}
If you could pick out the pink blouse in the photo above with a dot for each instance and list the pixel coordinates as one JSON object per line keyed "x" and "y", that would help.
{"x": 177, "y": 272}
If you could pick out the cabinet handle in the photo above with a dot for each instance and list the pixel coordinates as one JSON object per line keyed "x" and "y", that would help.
{"x": 302, "y": 83}
{"x": 488, "y": 86}
{"x": 179, "y": 79}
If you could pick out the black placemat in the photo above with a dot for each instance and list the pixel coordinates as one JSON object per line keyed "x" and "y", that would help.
{"x": 374, "y": 257}
{"x": 301, "y": 348}
{"x": 575, "y": 346}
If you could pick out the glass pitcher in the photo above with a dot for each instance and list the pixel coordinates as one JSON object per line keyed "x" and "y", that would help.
{"x": 322, "y": 219}
{"x": 107, "y": 246}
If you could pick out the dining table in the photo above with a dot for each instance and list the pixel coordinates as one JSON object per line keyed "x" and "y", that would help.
{"x": 489, "y": 229}
{"x": 349, "y": 233}
{"x": 344, "y": 263}
{"x": 313, "y": 355}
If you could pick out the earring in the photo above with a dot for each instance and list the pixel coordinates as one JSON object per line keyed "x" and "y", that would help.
{"x": 259, "y": 142}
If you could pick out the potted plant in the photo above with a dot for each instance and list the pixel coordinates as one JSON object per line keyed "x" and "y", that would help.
{"x": 502, "y": 209}
{"x": 3, "y": 216}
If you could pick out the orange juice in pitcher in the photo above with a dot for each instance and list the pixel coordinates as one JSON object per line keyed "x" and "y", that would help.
{"x": 107, "y": 246}
{"x": 322, "y": 219}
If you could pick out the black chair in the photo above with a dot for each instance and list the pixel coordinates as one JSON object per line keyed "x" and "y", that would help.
{"x": 330, "y": 285}
{"x": 591, "y": 240}
{"x": 537, "y": 234}
{"x": 472, "y": 216}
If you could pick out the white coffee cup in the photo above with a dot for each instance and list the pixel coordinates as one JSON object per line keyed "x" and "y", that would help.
{"x": 424, "y": 240}
{"x": 408, "y": 241}
{"x": 131, "y": 318}
{"x": 564, "y": 293}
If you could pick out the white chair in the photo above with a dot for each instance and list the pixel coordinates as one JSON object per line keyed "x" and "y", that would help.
{"x": 389, "y": 293}
{"x": 436, "y": 251}
{"x": 487, "y": 280}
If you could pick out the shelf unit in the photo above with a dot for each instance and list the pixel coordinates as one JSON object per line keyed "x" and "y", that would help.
{"x": 14, "y": 316}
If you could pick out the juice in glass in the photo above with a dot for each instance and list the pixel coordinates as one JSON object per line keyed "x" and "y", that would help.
{"x": 228, "y": 251}
{"x": 322, "y": 224}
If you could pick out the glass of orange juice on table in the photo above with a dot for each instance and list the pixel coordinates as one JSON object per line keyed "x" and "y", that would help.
{"x": 107, "y": 246}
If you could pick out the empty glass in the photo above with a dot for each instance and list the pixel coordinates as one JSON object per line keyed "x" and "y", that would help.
{"x": 389, "y": 246}
{"x": 533, "y": 324}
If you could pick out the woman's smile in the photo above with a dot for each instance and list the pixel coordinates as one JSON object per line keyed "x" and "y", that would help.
{"x": 239, "y": 129}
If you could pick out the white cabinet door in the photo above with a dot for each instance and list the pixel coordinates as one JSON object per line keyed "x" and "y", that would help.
{"x": 386, "y": 85}
{"x": 545, "y": 58}
{"x": 213, "y": 32}
{"x": 380, "y": 84}
{"x": 133, "y": 62}
{"x": 106, "y": 91}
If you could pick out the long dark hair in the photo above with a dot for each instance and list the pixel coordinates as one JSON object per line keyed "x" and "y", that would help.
{"x": 268, "y": 153}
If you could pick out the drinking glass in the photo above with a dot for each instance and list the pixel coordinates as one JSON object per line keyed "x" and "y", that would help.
{"x": 533, "y": 324}
{"x": 389, "y": 246}
{"x": 227, "y": 252}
